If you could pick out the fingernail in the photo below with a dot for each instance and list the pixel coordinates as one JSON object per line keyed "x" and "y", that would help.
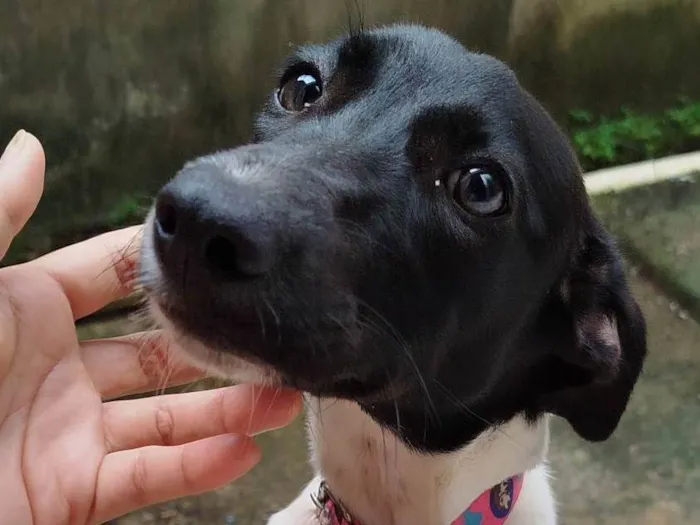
{"x": 14, "y": 148}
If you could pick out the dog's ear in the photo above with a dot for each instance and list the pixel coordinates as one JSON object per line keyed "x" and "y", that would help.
{"x": 607, "y": 341}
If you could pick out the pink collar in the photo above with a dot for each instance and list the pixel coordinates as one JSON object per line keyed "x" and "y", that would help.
{"x": 491, "y": 508}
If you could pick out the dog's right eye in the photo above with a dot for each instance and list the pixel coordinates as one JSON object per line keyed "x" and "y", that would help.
{"x": 299, "y": 90}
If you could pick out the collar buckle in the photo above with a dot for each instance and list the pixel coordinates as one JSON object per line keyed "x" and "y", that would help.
{"x": 330, "y": 510}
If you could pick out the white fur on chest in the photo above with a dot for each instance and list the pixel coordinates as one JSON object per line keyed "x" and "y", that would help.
{"x": 385, "y": 483}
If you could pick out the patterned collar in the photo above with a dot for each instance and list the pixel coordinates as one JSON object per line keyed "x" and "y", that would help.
{"x": 492, "y": 507}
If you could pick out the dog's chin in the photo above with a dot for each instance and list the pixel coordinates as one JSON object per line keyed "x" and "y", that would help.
{"x": 226, "y": 363}
{"x": 212, "y": 361}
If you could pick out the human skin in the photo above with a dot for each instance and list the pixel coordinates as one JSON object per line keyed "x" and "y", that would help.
{"x": 69, "y": 454}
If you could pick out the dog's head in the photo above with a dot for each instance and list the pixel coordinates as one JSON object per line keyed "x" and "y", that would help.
{"x": 409, "y": 230}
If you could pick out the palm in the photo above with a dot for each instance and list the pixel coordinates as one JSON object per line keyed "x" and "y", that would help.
{"x": 58, "y": 412}
{"x": 63, "y": 454}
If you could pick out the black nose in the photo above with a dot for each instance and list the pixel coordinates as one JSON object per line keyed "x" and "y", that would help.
{"x": 209, "y": 228}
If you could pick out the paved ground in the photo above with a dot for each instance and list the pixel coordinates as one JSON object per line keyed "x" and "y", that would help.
{"x": 660, "y": 225}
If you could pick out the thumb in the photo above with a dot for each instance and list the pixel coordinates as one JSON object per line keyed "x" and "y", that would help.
{"x": 22, "y": 168}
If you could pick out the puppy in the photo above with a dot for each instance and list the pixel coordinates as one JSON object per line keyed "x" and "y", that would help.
{"x": 408, "y": 240}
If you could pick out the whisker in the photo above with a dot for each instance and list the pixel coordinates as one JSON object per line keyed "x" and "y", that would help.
{"x": 165, "y": 378}
{"x": 317, "y": 412}
{"x": 354, "y": 231}
{"x": 275, "y": 317}
{"x": 392, "y": 332}
{"x": 278, "y": 391}
{"x": 261, "y": 319}
{"x": 255, "y": 399}
{"x": 385, "y": 453}
{"x": 396, "y": 438}
{"x": 460, "y": 404}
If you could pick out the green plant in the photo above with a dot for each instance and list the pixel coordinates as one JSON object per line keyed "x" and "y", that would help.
{"x": 128, "y": 209}
{"x": 686, "y": 117}
{"x": 632, "y": 136}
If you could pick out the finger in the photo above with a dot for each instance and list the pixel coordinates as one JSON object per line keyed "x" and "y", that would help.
{"x": 181, "y": 418}
{"x": 95, "y": 272}
{"x": 134, "y": 479}
{"x": 21, "y": 184}
{"x": 136, "y": 363}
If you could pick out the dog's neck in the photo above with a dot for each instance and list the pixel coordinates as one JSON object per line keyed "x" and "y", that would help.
{"x": 383, "y": 482}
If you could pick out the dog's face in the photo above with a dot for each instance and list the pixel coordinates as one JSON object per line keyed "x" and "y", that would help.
{"x": 410, "y": 230}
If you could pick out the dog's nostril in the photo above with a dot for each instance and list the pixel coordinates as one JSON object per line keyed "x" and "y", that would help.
{"x": 199, "y": 232}
{"x": 221, "y": 256}
{"x": 166, "y": 217}
{"x": 236, "y": 255}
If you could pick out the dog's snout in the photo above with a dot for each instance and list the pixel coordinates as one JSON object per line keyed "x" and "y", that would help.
{"x": 212, "y": 229}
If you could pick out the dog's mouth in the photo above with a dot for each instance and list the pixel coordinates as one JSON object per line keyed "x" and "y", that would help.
{"x": 238, "y": 357}
{"x": 241, "y": 364}
{"x": 233, "y": 331}
{"x": 224, "y": 362}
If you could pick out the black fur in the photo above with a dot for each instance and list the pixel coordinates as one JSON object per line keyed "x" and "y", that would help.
{"x": 327, "y": 251}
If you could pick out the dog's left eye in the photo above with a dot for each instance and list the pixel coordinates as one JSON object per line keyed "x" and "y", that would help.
{"x": 299, "y": 91}
{"x": 479, "y": 189}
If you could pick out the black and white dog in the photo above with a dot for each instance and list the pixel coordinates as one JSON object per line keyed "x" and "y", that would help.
{"x": 409, "y": 241}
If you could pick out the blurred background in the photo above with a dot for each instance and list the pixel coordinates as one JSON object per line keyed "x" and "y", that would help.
{"x": 122, "y": 93}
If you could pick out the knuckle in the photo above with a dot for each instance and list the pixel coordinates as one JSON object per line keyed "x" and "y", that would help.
{"x": 165, "y": 424}
{"x": 107, "y": 431}
{"x": 219, "y": 404}
{"x": 189, "y": 481}
{"x": 139, "y": 480}
{"x": 154, "y": 357}
{"x": 126, "y": 269}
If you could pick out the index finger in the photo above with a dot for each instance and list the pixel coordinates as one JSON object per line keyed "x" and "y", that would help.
{"x": 95, "y": 272}
{"x": 135, "y": 363}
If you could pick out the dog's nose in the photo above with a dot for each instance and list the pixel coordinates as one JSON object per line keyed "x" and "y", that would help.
{"x": 211, "y": 229}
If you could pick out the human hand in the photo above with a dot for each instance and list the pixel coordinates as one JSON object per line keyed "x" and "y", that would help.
{"x": 69, "y": 457}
